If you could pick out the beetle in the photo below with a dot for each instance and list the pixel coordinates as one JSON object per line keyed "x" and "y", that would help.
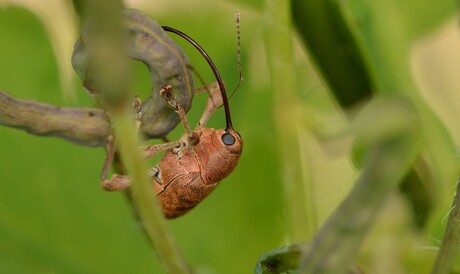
{"x": 195, "y": 164}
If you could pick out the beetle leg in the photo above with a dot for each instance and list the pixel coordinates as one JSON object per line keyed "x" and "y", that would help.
{"x": 214, "y": 102}
{"x": 167, "y": 94}
{"x": 111, "y": 144}
{"x": 137, "y": 104}
{"x": 121, "y": 182}
{"x": 116, "y": 183}
{"x": 208, "y": 88}
{"x": 152, "y": 150}
{"x": 111, "y": 140}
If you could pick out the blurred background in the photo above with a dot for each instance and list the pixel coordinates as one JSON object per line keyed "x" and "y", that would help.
{"x": 55, "y": 218}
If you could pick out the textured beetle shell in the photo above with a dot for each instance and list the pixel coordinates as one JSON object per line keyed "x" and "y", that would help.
{"x": 190, "y": 175}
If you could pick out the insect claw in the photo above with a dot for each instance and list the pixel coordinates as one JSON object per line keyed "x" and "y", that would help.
{"x": 166, "y": 92}
{"x": 137, "y": 106}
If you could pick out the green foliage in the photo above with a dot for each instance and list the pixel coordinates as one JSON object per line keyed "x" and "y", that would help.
{"x": 54, "y": 217}
{"x": 282, "y": 260}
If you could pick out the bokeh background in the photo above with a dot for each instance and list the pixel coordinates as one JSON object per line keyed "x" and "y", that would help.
{"x": 55, "y": 218}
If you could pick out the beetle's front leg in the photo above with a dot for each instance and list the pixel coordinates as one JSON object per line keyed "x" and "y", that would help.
{"x": 121, "y": 182}
{"x": 152, "y": 150}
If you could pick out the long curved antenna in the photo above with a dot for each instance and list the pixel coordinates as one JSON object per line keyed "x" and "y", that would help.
{"x": 238, "y": 53}
{"x": 228, "y": 118}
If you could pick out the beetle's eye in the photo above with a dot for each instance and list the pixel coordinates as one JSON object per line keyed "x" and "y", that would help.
{"x": 228, "y": 139}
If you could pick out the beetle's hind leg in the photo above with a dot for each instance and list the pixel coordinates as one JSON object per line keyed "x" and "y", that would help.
{"x": 120, "y": 182}
{"x": 214, "y": 102}
{"x": 117, "y": 182}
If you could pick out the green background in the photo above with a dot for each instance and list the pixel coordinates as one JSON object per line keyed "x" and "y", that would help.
{"x": 55, "y": 218}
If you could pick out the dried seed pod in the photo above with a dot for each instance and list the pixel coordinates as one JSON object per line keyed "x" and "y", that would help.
{"x": 148, "y": 43}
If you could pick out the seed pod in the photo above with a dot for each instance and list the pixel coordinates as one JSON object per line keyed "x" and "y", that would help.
{"x": 147, "y": 42}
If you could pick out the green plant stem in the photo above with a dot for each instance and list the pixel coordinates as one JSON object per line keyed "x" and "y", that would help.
{"x": 387, "y": 46}
{"x": 300, "y": 215}
{"x": 448, "y": 253}
{"x": 144, "y": 198}
{"x": 113, "y": 71}
{"x": 388, "y": 52}
{"x": 342, "y": 64}
{"x": 393, "y": 144}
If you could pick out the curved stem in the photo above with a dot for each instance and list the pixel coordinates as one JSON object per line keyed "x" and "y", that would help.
{"x": 84, "y": 126}
{"x": 394, "y": 143}
{"x": 144, "y": 198}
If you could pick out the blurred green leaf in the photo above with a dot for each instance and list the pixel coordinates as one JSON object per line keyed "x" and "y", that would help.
{"x": 423, "y": 16}
{"x": 387, "y": 45}
{"x": 281, "y": 260}
{"x": 333, "y": 49}
{"x": 390, "y": 129}
{"x": 300, "y": 210}
{"x": 54, "y": 217}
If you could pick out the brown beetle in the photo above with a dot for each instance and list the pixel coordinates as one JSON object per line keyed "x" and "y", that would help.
{"x": 193, "y": 166}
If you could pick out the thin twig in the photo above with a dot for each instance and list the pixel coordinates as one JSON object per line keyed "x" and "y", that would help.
{"x": 450, "y": 246}
{"x": 84, "y": 126}
{"x": 393, "y": 144}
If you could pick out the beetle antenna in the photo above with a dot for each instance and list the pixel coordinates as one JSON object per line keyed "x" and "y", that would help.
{"x": 238, "y": 52}
{"x": 228, "y": 118}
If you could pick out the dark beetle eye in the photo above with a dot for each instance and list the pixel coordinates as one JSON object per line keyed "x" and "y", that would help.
{"x": 228, "y": 139}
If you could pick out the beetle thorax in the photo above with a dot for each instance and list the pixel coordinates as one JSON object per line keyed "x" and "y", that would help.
{"x": 216, "y": 159}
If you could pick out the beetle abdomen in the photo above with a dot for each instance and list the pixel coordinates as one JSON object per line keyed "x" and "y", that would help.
{"x": 183, "y": 193}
